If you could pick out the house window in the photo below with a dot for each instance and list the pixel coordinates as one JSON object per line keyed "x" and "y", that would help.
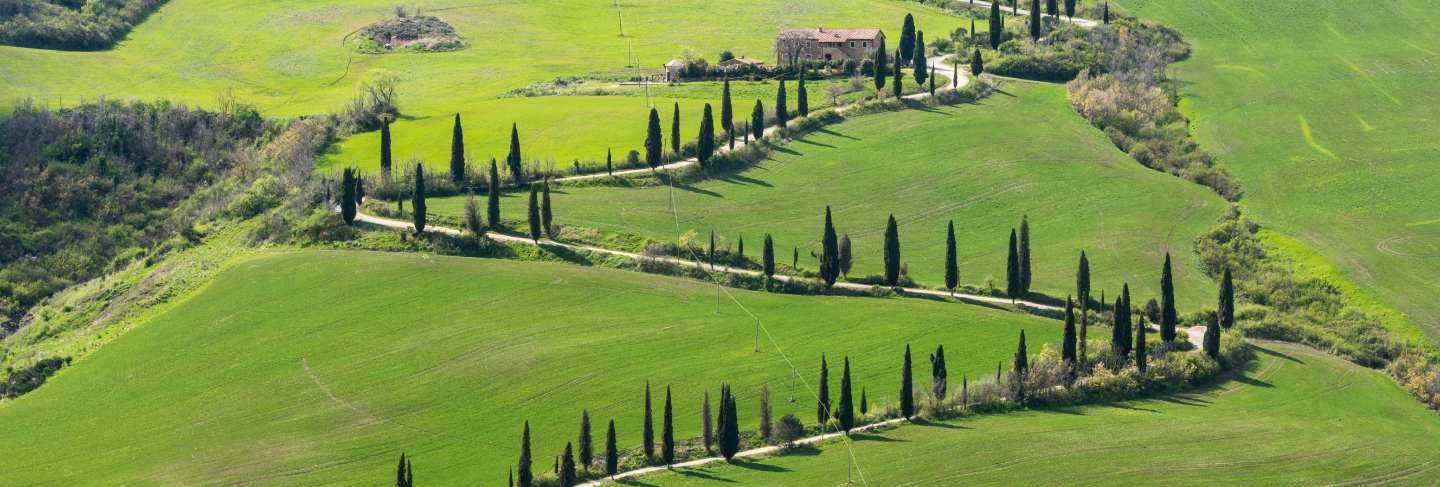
{"x": 865, "y": 44}
{"x": 852, "y": 44}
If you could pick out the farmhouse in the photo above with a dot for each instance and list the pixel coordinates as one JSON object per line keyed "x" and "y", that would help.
{"x": 822, "y": 44}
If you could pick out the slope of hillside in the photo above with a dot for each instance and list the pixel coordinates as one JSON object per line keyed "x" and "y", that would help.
{"x": 1297, "y": 417}
{"x": 321, "y": 367}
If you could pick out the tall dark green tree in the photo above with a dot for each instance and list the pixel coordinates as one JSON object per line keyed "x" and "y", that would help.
{"x": 457, "y": 153}
{"x": 977, "y": 63}
{"x": 1025, "y": 255}
{"x": 1022, "y": 358}
{"x": 513, "y": 161}
{"x": 667, "y": 432}
{"x": 897, "y": 85}
{"x": 802, "y": 97}
{"x": 952, "y": 267}
{"x": 609, "y": 161}
{"x": 1141, "y": 356}
{"x": 782, "y": 109}
{"x": 881, "y": 65}
{"x": 846, "y": 258}
{"x": 1105, "y": 17}
{"x": 492, "y": 199}
{"x": 347, "y": 195}
{"x": 1070, "y": 9}
{"x": 707, "y": 428}
{"x": 1052, "y": 8}
{"x": 586, "y": 451}
{"x": 647, "y": 435}
{"x": 907, "y": 387}
{"x": 729, "y": 424}
{"x": 385, "y": 149}
{"x": 727, "y": 111}
{"x": 1168, "y": 316}
{"x": 654, "y": 143}
{"x": 547, "y": 216}
{"x": 907, "y": 39}
{"x": 1082, "y": 290}
{"x": 1067, "y": 341}
{"x": 675, "y": 130}
{"x": 845, "y": 412}
{"x": 1226, "y": 310}
{"x": 400, "y": 480}
{"x": 939, "y": 373}
{"x": 822, "y": 405}
{"x": 892, "y": 252}
{"x": 864, "y": 406}
{"x": 525, "y": 478}
{"x": 705, "y": 143}
{"x": 829, "y": 252}
{"x": 757, "y": 120}
{"x": 417, "y": 199}
{"x": 1212, "y": 340}
{"x": 997, "y": 27}
{"x": 534, "y": 214}
{"x": 567, "y": 467}
{"x": 1123, "y": 316}
{"x": 1012, "y": 269}
{"x": 767, "y": 258}
{"x": 922, "y": 70}
{"x": 612, "y": 451}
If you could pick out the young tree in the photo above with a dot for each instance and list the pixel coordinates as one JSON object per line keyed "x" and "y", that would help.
{"x": 1067, "y": 342}
{"x": 952, "y": 268}
{"x": 567, "y": 467}
{"x": 897, "y": 84}
{"x": 609, "y": 162}
{"x": 347, "y": 195}
{"x": 907, "y": 387}
{"x": 845, "y": 256}
{"x": 513, "y": 162}
{"x": 802, "y": 97}
{"x": 385, "y": 150}
{"x": 822, "y": 406}
{"x": 667, "y": 432}
{"x": 1168, "y": 315}
{"x": 921, "y": 69}
{"x": 417, "y": 200}
{"x": 457, "y": 153}
{"x": 492, "y": 200}
{"x": 829, "y": 253}
{"x": 707, "y": 429}
{"x": 997, "y": 27}
{"x": 727, "y": 112}
{"x": 612, "y": 453}
{"x": 1105, "y": 17}
{"x": 782, "y": 110}
{"x": 864, "y": 406}
{"x": 1021, "y": 369}
{"x": 932, "y": 86}
{"x": 472, "y": 215}
{"x": 1012, "y": 269}
{"x": 710, "y": 256}
{"x": 359, "y": 187}
{"x": 795, "y": 258}
{"x": 765, "y": 428}
{"x": 939, "y": 374}
{"x": 546, "y": 215}
{"x": 534, "y": 215}
{"x": 1212, "y": 340}
{"x": 1070, "y": 9}
{"x": 524, "y": 467}
{"x": 757, "y": 120}
{"x": 892, "y": 252}
{"x": 586, "y": 451}
{"x": 648, "y": 433}
{"x": 675, "y": 129}
{"x": 654, "y": 144}
{"x": 845, "y": 414}
{"x": 705, "y": 143}
{"x": 1025, "y": 255}
{"x": 767, "y": 259}
{"x": 907, "y": 39}
{"x": 740, "y": 247}
{"x": 880, "y": 65}
{"x": 1226, "y": 311}
{"x": 977, "y": 63}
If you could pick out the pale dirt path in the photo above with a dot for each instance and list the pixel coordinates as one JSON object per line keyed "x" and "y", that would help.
{"x": 849, "y": 286}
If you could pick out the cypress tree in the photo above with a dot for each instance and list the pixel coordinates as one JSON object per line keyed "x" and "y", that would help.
{"x": 939, "y": 375}
{"x": 546, "y": 216}
{"x": 705, "y": 144}
{"x": 845, "y": 256}
{"x": 740, "y": 248}
{"x": 586, "y": 451}
{"x": 952, "y": 268}
{"x": 1067, "y": 343}
{"x": 359, "y": 187}
{"x": 667, "y": 432}
{"x": 513, "y": 162}
{"x": 997, "y": 27}
{"x": 757, "y": 120}
{"x": 767, "y": 258}
{"x": 707, "y": 429}
{"x": 921, "y": 69}
{"x": 524, "y": 466}
{"x": 802, "y": 98}
{"x": 765, "y": 429}
{"x": 729, "y": 427}
{"x": 511, "y": 479}
{"x": 1015, "y": 7}
{"x": 675, "y": 129}
{"x": 400, "y": 473}
{"x": 1226, "y": 312}
{"x": 1082, "y": 290}
{"x": 711, "y": 254}
{"x": 829, "y": 253}
{"x": 612, "y": 453}
{"x": 609, "y": 162}
{"x": 567, "y": 467}
{"x": 907, "y": 39}
{"x": 1025, "y": 255}
{"x": 1022, "y": 358}
{"x": 654, "y": 144}
{"x": 1052, "y": 8}
{"x": 385, "y": 150}
{"x": 1168, "y": 316}
{"x": 457, "y": 153}
{"x": 977, "y": 63}
{"x": 347, "y": 195}
{"x": 1106, "y": 16}
{"x": 409, "y": 474}
{"x": 932, "y": 86}
{"x": 881, "y": 64}
{"x": 727, "y": 112}
{"x": 534, "y": 216}
{"x": 648, "y": 434}
{"x": 864, "y": 406}
{"x": 795, "y": 258}
{"x": 782, "y": 110}
{"x": 896, "y": 85}
{"x": 1012, "y": 269}
{"x": 907, "y": 388}
{"x": 1140, "y": 355}
{"x": 417, "y": 200}
{"x": 1212, "y": 340}
{"x": 822, "y": 406}
{"x": 1124, "y": 314}
{"x": 845, "y": 415}
{"x": 892, "y": 252}
{"x": 1070, "y": 9}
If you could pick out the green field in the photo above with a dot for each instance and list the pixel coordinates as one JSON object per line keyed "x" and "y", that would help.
{"x": 288, "y": 58}
{"x": 984, "y": 165}
{"x": 1298, "y": 417}
{"x": 1328, "y": 120}
{"x": 320, "y": 367}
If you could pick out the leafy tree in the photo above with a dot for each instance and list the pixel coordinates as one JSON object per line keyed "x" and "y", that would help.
{"x": 977, "y": 64}
{"x": 845, "y": 256}
{"x": 612, "y": 453}
{"x": 1212, "y": 340}
{"x": 707, "y": 429}
{"x": 845, "y": 415}
{"x": 492, "y": 202}
{"x": 546, "y": 215}
{"x": 1226, "y": 311}
{"x": 667, "y": 432}
{"x": 757, "y": 120}
{"x": 892, "y": 252}
{"x": 524, "y": 467}
{"x": 347, "y": 195}
{"x": 1070, "y": 9}
{"x": 767, "y": 258}
{"x": 880, "y": 65}
{"x": 997, "y": 27}
{"x": 1168, "y": 318}
{"x": 727, "y": 112}
{"x": 829, "y": 253}
{"x": 939, "y": 375}
{"x": 1012, "y": 269}
{"x": 907, "y": 387}
{"x": 534, "y": 216}
{"x": 513, "y": 162}
{"x": 586, "y": 451}
{"x": 789, "y": 429}
{"x": 907, "y": 39}
{"x": 802, "y": 98}
{"x": 1140, "y": 354}
{"x": 822, "y": 406}
{"x": 705, "y": 144}
{"x": 1025, "y": 255}
{"x": 921, "y": 69}
{"x": 567, "y": 467}
{"x": 765, "y": 428}
{"x": 729, "y": 426}
{"x": 952, "y": 268}
{"x": 648, "y": 434}
{"x": 782, "y": 111}
{"x": 675, "y": 129}
{"x": 896, "y": 85}
{"x": 1067, "y": 343}
{"x": 457, "y": 153}
{"x": 417, "y": 200}
{"x": 654, "y": 145}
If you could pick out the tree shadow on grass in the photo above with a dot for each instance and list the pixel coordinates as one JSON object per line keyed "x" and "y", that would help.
{"x": 1251, "y": 381}
{"x": 827, "y": 131}
{"x": 739, "y": 179}
{"x": 921, "y": 106}
{"x": 1128, "y": 407}
{"x": 1185, "y": 400}
{"x": 938, "y": 424}
{"x": 634, "y": 481}
{"x": 1279, "y": 354}
{"x": 1006, "y": 93}
{"x": 566, "y": 254}
{"x": 814, "y": 143}
{"x": 701, "y": 474}
{"x": 875, "y": 438}
{"x": 758, "y": 466}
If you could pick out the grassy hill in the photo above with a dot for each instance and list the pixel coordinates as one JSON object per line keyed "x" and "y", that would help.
{"x": 1295, "y": 418}
{"x": 1327, "y": 119}
{"x": 984, "y": 165}
{"x": 320, "y": 367}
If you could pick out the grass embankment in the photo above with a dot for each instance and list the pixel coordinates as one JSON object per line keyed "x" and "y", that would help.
{"x": 1327, "y": 123}
{"x": 984, "y": 165}
{"x": 320, "y": 367}
{"x": 1292, "y": 418}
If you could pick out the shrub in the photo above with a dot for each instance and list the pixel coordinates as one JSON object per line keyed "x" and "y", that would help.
{"x": 789, "y": 430}
{"x": 92, "y": 25}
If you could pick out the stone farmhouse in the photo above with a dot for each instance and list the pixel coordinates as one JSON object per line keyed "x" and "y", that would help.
{"x": 824, "y": 44}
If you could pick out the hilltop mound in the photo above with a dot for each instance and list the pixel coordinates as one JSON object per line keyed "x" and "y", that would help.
{"x": 419, "y": 33}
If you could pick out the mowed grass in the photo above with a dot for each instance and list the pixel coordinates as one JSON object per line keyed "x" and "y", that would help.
{"x": 1296, "y": 417}
{"x": 321, "y": 367}
{"x": 1328, "y": 120}
{"x": 288, "y": 57}
{"x": 1023, "y": 151}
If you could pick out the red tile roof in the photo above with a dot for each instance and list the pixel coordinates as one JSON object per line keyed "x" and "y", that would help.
{"x": 823, "y": 34}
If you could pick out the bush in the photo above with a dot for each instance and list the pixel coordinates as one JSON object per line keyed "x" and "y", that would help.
{"x": 789, "y": 430}
{"x": 92, "y": 25}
